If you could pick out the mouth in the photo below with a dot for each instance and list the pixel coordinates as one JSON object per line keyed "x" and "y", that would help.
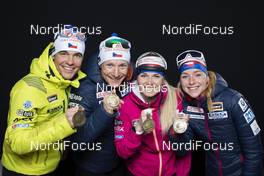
{"x": 116, "y": 79}
{"x": 67, "y": 68}
{"x": 193, "y": 88}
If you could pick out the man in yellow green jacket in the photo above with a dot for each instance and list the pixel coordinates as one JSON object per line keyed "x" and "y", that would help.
{"x": 39, "y": 117}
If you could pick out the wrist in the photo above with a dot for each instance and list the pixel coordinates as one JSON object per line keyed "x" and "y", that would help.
{"x": 108, "y": 110}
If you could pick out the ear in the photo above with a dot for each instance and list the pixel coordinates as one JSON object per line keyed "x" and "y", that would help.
{"x": 130, "y": 72}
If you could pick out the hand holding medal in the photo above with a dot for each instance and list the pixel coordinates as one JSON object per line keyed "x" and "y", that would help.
{"x": 111, "y": 102}
{"x": 78, "y": 118}
{"x": 180, "y": 124}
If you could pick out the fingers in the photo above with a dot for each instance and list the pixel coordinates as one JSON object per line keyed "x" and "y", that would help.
{"x": 111, "y": 103}
{"x": 70, "y": 113}
{"x": 137, "y": 124}
{"x": 81, "y": 108}
{"x": 73, "y": 110}
{"x": 121, "y": 102}
{"x": 183, "y": 116}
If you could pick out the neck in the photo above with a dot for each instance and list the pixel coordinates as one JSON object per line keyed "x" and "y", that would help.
{"x": 149, "y": 99}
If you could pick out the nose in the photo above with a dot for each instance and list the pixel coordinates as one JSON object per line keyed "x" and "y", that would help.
{"x": 191, "y": 79}
{"x": 150, "y": 81}
{"x": 116, "y": 72}
{"x": 70, "y": 60}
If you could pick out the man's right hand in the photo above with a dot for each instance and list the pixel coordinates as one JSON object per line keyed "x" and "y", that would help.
{"x": 108, "y": 107}
{"x": 70, "y": 114}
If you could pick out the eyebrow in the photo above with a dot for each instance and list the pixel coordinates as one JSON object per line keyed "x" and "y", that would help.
{"x": 123, "y": 64}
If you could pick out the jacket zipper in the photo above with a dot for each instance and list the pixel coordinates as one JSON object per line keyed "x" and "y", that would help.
{"x": 37, "y": 158}
{"x": 217, "y": 153}
{"x": 46, "y": 158}
{"x": 158, "y": 149}
{"x": 64, "y": 108}
{"x": 65, "y": 101}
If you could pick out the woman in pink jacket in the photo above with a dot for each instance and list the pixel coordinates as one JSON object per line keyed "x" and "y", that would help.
{"x": 146, "y": 116}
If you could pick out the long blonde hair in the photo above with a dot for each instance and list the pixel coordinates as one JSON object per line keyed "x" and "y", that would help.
{"x": 208, "y": 91}
{"x": 168, "y": 111}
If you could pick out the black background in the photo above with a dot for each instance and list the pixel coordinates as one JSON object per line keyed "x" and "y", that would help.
{"x": 235, "y": 56}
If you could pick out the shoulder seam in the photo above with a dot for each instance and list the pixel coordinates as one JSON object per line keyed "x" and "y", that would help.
{"x": 36, "y": 82}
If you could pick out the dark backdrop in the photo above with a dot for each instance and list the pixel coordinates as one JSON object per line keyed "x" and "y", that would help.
{"x": 235, "y": 56}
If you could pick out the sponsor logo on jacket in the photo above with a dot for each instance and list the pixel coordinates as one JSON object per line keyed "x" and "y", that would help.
{"x": 27, "y": 104}
{"x": 218, "y": 115}
{"x": 249, "y": 115}
{"x": 56, "y": 109}
{"x": 22, "y": 125}
{"x": 196, "y": 116}
{"x": 23, "y": 119}
{"x": 100, "y": 95}
{"x": 254, "y": 127}
{"x": 243, "y": 105}
{"x": 52, "y": 98}
{"x": 75, "y": 97}
{"x": 119, "y": 128}
{"x": 195, "y": 109}
{"x": 23, "y": 113}
{"x": 217, "y": 106}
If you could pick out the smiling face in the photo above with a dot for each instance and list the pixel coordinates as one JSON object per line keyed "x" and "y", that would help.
{"x": 194, "y": 82}
{"x": 114, "y": 71}
{"x": 149, "y": 84}
{"x": 68, "y": 63}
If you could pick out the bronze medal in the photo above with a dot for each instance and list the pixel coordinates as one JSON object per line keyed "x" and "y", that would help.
{"x": 180, "y": 126}
{"x": 148, "y": 125}
{"x": 79, "y": 118}
{"x": 113, "y": 101}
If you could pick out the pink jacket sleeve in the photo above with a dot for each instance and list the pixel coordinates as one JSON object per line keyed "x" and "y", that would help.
{"x": 126, "y": 140}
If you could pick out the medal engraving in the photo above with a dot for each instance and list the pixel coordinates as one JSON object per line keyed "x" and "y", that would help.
{"x": 148, "y": 124}
{"x": 180, "y": 126}
{"x": 113, "y": 101}
{"x": 79, "y": 118}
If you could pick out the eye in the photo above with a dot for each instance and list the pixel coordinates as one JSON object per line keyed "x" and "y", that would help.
{"x": 157, "y": 76}
{"x": 78, "y": 55}
{"x": 109, "y": 65}
{"x": 184, "y": 76}
{"x": 198, "y": 75}
{"x": 123, "y": 66}
{"x": 143, "y": 75}
{"x": 63, "y": 53}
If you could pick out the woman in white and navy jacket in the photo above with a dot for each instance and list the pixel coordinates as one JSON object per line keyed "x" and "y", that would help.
{"x": 221, "y": 117}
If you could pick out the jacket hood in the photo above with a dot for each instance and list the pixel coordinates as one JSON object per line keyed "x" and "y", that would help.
{"x": 137, "y": 98}
{"x": 220, "y": 85}
{"x": 93, "y": 69}
{"x": 45, "y": 68}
